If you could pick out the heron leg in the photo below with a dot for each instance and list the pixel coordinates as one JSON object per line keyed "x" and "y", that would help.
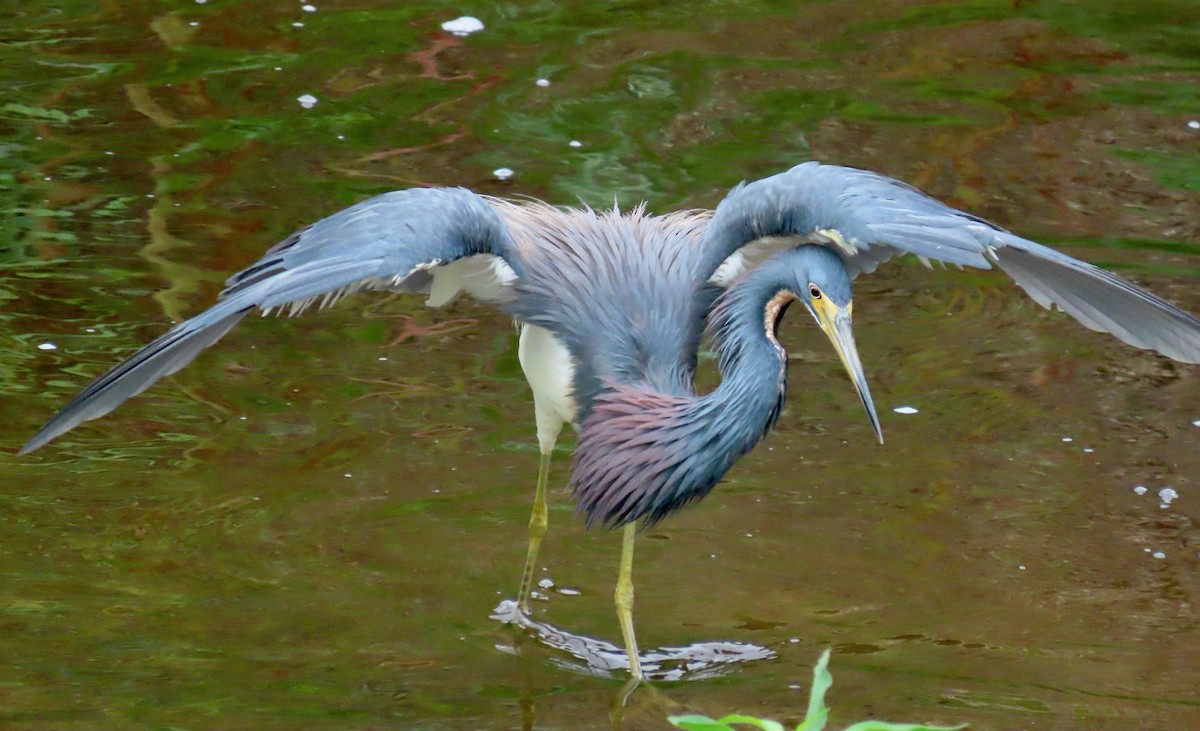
{"x": 538, "y": 522}
{"x": 623, "y": 597}
{"x": 547, "y": 366}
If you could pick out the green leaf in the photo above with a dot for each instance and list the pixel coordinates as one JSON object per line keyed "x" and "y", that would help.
{"x": 814, "y": 722}
{"x": 882, "y": 726}
{"x": 695, "y": 722}
{"x": 704, "y": 723}
{"x": 818, "y": 714}
{"x": 763, "y": 723}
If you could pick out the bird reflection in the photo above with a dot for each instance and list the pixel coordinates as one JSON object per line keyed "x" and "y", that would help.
{"x": 602, "y": 659}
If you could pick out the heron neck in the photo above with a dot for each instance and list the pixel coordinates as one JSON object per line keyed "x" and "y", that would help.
{"x": 643, "y": 454}
{"x": 747, "y": 403}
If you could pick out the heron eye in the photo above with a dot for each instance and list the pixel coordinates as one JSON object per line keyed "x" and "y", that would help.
{"x": 814, "y": 292}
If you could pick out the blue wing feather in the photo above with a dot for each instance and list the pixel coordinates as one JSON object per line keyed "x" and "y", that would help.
{"x": 868, "y": 218}
{"x": 374, "y": 244}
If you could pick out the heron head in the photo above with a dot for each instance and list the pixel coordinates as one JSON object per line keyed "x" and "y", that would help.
{"x": 822, "y": 285}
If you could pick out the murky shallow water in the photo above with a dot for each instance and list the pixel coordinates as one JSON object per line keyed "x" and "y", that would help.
{"x": 310, "y": 526}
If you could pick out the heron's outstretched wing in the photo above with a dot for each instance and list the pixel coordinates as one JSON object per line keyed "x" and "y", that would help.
{"x": 405, "y": 240}
{"x": 868, "y": 218}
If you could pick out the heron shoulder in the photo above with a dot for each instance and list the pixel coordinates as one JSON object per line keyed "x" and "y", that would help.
{"x": 617, "y": 287}
{"x": 540, "y": 229}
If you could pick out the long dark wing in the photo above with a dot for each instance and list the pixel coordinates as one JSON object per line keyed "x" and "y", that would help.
{"x": 397, "y": 240}
{"x": 868, "y": 218}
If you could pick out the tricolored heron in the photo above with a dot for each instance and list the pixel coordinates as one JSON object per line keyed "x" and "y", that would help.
{"x": 613, "y": 307}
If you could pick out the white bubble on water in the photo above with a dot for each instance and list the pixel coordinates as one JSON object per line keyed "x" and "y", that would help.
{"x": 1140, "y": 490}
{"x": 47, "y": 346}
{"x": 308, "y": 101}
{"x": 503, "y": 173}
{"x": 464, "y": 26}
{"x": 905, "y": 410}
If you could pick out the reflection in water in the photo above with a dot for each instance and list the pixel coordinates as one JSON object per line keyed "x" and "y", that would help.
{"x": 601, "y": 658}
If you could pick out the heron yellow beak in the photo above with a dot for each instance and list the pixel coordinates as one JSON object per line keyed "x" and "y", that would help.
{"x": 835, "y": 322}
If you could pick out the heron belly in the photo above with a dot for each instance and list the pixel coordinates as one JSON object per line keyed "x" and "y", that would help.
{"x": 549, "y": 369}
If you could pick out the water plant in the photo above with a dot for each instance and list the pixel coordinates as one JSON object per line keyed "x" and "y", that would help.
{"x": 814, "y": 720}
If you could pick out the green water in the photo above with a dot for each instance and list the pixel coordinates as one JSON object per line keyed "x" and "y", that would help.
{"x": 309, "y": 527}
